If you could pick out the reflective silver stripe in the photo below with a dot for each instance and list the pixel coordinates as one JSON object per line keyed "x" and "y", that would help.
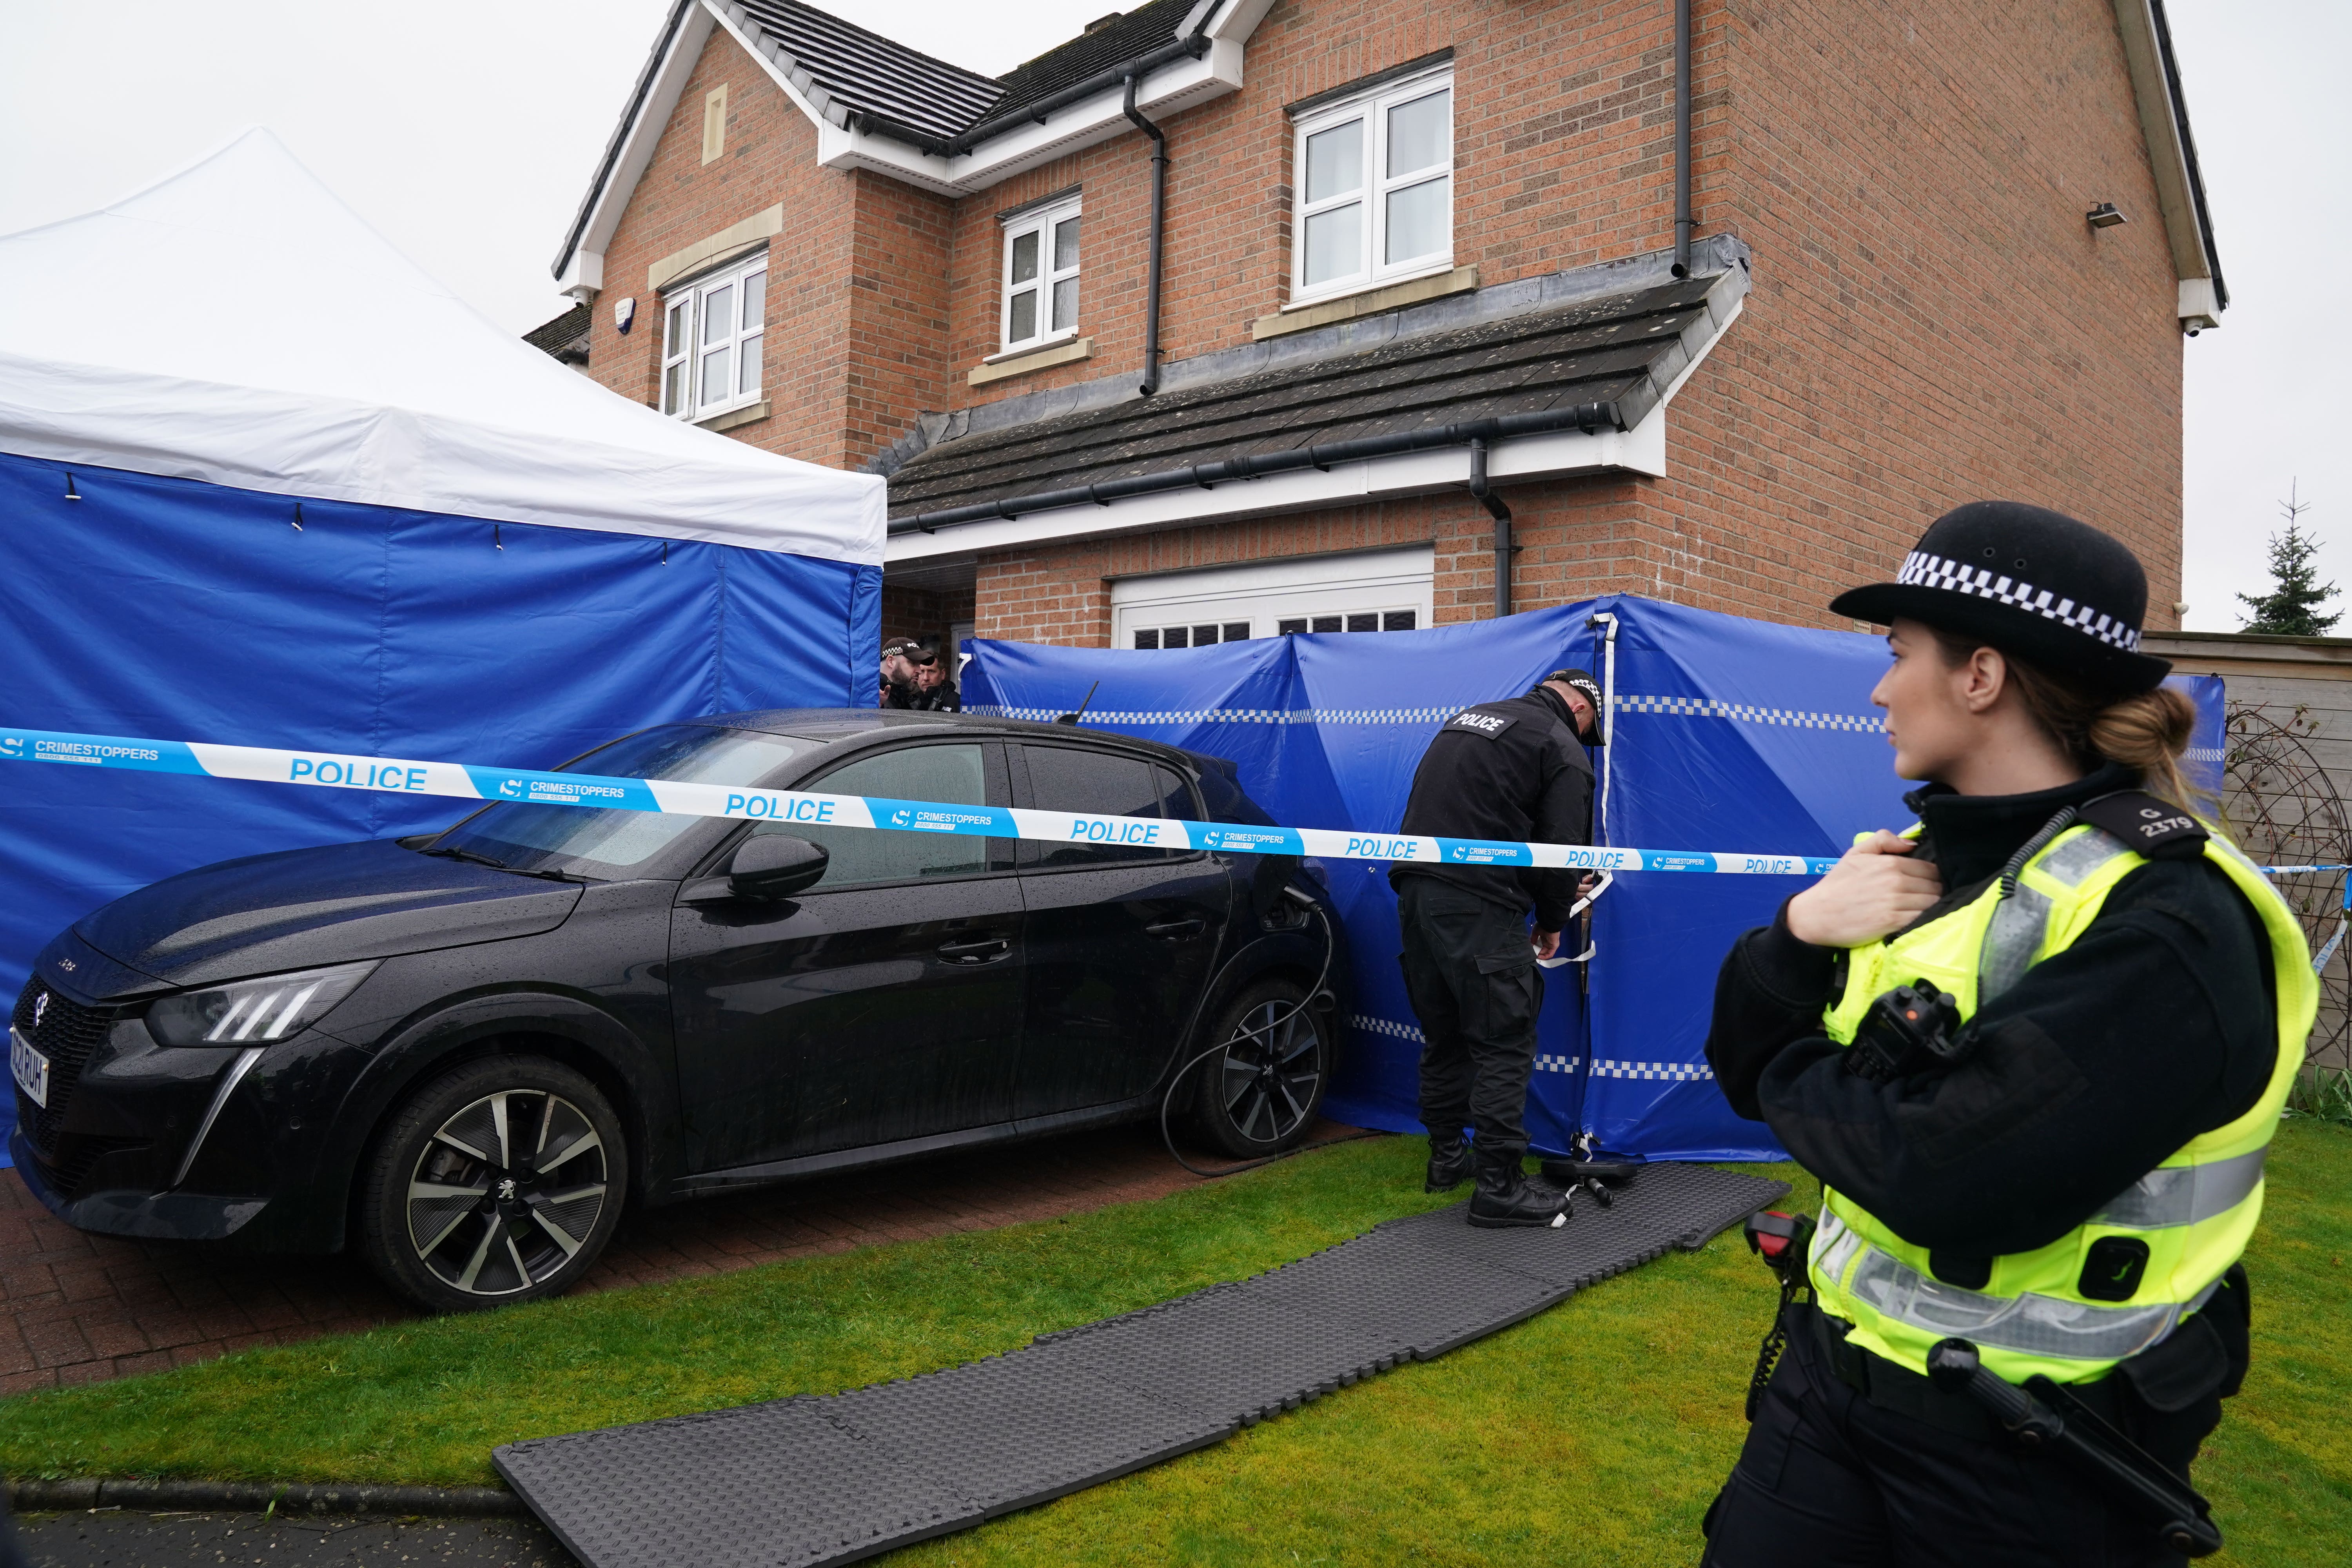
{"x": 2073, "y": 861}
{"x": 2186, "y": 1193}
{"x": 229, "y": 1081}
{"x": 2020, "y": 922}
{"x": 2031, "y": 1324}
{"x": 2011, "y": 939}
{"x": 1835, "y": 1245}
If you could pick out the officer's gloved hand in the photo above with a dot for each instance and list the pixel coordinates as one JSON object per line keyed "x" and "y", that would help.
{"x": 1912, "y": 1029}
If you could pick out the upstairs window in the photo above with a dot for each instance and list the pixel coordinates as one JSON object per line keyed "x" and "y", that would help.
{"x": 711, "y": 334}
{"x": 1375, "y": 181}
{"x": 1041, "y": 277}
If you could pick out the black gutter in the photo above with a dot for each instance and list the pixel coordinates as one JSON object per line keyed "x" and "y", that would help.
{"x": 1504, "y": 548}
{"x": 1151, "y": 383}
{"x": 1585, "y": 417}
{"x": 1684, "y": 222}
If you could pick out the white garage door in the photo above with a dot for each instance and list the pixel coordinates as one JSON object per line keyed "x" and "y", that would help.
{"x": 1379, "y": 591}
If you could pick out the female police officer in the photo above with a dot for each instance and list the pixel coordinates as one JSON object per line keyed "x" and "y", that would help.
{"x": 2063, "y": 1171}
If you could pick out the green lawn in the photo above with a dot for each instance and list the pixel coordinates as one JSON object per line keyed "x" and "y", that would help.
{"x": 1594, "y": 1433}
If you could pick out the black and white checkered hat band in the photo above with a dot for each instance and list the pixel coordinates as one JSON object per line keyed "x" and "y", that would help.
{"x": 1922, "y": 569}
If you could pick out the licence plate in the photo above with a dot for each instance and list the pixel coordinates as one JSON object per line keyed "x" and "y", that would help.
{"x": 29, "y": 1068}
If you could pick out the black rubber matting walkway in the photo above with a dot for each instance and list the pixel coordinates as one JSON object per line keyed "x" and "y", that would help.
{"x": 808, "y": 1480}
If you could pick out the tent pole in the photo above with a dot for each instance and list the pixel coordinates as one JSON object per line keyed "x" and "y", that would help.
{"x": 1608, "y": 708}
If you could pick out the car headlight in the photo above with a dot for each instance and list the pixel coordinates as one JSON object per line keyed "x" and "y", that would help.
{"x": 250, "y": 1012}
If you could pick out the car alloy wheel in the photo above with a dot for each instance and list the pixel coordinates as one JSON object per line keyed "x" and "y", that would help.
{"x": 506, "y": 1192}
{"x": 1262, "y": 1092}
{"x": 499, "y": 1181}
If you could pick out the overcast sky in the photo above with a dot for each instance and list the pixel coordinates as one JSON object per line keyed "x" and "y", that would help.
{"x": 467, "y": 134}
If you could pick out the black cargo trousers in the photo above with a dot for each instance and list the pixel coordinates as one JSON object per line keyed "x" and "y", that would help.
{"x": 1472, "y": 978}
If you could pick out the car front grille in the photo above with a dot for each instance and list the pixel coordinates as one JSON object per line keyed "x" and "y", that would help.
{"x": 65, "y": 1032}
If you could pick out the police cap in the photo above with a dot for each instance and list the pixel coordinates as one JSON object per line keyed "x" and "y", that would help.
{"x": 2029, "y": 582}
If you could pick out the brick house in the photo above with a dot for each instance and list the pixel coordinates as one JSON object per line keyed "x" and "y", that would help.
{"x": 1428, "y": 337}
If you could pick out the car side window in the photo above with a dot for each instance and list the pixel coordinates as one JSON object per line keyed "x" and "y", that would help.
{"x": 1175, "y": 795}
{"x": 1075, "y": 778}
{"x": 949, "y": 774}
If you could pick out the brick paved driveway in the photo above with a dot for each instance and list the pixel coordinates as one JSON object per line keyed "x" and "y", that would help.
{"x": 81, "y": 1309}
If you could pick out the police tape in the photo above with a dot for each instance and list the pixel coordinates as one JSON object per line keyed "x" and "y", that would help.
{"x": 465, "y": 780}
{"x": 388, "y": 776}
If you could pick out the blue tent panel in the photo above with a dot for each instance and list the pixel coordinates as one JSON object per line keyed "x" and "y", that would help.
{"x": 174, "y": 609}
{"x": 1730, "y": 734}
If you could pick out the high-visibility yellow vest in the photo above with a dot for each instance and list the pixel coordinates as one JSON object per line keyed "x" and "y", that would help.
{"x": 2126, "y": 1278}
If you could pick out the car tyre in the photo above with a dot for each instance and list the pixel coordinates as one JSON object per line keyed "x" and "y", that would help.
{"x": 497, "y": 1182}
{"x": 1260, "y": 1094}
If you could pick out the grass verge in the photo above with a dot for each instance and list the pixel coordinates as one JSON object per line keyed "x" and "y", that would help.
{"x": 1595, "y": 1433}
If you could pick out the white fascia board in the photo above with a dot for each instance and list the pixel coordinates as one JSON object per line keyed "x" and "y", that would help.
{"x": 1560, "y": 456}
{"x": 583, "y": 275}
{"x": 645, "y": 131}
{"x": 1236, "y": 22}
{"x": 1171, "y": 90}
{"x": 2167, "y": 157}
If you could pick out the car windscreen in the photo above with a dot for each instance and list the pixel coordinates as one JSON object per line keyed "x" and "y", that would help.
{"x": 615, "y": 844}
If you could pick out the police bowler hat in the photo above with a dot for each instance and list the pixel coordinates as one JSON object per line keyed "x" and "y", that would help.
{"x": 2029, "y": 582}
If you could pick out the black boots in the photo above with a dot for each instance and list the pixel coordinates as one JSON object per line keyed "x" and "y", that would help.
{"x": 1507, "y": 1196}
{"x": 1449, "y": 1162}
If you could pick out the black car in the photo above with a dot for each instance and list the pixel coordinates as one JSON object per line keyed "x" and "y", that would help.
{"x": 464, "y": 1050}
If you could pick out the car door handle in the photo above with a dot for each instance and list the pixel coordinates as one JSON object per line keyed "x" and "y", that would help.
{"x": 1182, "y": 929}
{"x": 980, "y": 949}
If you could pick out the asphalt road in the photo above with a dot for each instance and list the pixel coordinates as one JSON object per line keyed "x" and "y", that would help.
{"x": 115, "y": 1538}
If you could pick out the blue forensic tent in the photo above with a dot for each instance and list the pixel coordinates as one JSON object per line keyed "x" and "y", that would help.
{"x": 1728, "y": 734}
{"x": 262, "y": 481}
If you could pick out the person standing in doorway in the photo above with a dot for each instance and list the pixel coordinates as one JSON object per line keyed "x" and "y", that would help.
{"x": 898, "y": 684}
{"x": 1513, "y": 770}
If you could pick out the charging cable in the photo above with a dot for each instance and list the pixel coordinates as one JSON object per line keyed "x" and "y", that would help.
{"x": 1313, "y": 993}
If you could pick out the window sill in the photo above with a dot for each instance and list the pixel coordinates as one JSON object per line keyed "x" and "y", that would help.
{"x": 730, "y": 418}
{"x": 1366, "y": 303}
{"x": 1068, "y": 334}
{"x": 1067, "y": 352}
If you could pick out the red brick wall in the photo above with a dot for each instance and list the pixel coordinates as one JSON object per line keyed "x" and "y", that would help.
{"x": 854, "y": 292}
{"x": 923, "y": 612}
{"x": 1563, "y": 142}
{"x": 1932, "y": 321}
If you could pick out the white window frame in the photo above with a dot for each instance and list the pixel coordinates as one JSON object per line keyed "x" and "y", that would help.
{"x": 743, "y": 340}
{"x": 1041, "y": 222}
{"x": 1264, "y": 593}
{"x": 1371, "y": 109}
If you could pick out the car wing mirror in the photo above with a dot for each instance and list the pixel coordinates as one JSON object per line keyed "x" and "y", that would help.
{"x": 773, "y": 865}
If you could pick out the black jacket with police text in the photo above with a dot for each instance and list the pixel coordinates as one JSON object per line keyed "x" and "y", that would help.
{"x": 2159, "y": 1023}
{"x": 1511, "y": 769}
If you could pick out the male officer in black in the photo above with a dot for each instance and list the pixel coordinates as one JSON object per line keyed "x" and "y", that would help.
{"x": 1511, "y": 769}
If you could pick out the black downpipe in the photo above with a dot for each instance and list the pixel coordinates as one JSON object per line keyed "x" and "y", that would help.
{"x": 1584, "y": 416}
{"x": 1504, "y": 548}
{"x": 1151, "y": 383}
{"x": 1684, "y": 222}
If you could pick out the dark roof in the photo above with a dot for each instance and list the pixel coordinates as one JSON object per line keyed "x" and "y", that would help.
{"x": 1139, "y": 31}
{"x": 1602, "y": 350}
{"x": 566, "y": 337}
{"x": 851, "y": 74}
{"x": 871, "y": 75}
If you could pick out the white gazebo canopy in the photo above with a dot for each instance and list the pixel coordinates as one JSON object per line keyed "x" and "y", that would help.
{"x": 237, "y": 323}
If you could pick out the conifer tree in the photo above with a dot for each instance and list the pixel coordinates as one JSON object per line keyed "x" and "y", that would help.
{"x": 2291, "y": 609}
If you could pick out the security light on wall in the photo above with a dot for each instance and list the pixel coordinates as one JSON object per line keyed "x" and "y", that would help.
{"x": 2103, "y": 216}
